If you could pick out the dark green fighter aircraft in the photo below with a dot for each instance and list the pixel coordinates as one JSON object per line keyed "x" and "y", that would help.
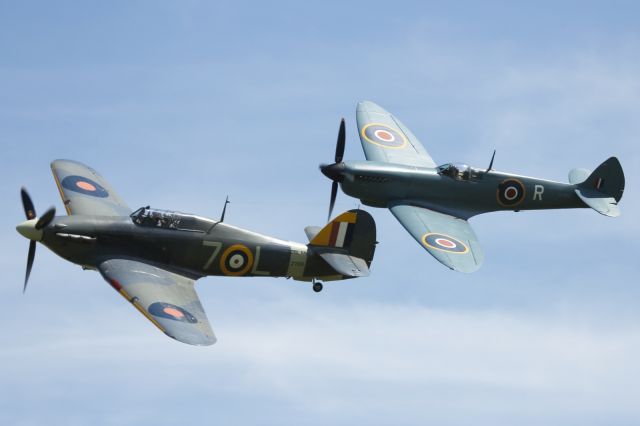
{"x": 434, "y": 202}
{"x": 153, "y": 257}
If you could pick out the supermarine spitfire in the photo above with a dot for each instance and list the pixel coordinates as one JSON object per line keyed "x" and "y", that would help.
{"x": 153, "y": 257}
{"x": 434, "y": 202}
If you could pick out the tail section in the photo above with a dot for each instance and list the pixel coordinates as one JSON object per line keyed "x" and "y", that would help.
{"x": 601, "y": 189}
{"x": 347, "y": 243}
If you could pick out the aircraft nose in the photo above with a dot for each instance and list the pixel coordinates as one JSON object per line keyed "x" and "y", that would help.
{"x": 333, "y": 171}
{"x": 28, "y": 230}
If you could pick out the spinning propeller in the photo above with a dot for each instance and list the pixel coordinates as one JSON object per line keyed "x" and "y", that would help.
{"x": 333, "y": 171}
{"x": 32, "y": 229}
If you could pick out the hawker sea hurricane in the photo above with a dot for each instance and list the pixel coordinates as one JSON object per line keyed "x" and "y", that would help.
{"x": 153, "y": 257}
{"x": 434, "y": 202}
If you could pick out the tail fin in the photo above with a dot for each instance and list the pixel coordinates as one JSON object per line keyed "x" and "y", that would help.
{"x": 603, "y": 188}
{"x": 347, "y": 243}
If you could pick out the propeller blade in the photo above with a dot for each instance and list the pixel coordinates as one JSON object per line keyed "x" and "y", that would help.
{"x": 30, "y": 257}
{"x": 340, "y": 142}
{"x": 29, "y": 209}
{"x": 46, "y": 218}
{"x": 334, "y": 193}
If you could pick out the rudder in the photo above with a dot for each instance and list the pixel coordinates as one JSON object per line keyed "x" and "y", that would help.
{"x": 607, "y": 178}
{"x": 601, "y": 189}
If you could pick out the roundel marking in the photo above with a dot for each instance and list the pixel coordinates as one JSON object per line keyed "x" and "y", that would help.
{"x": 510, "y": 192}
{"x": 383, "y": 135}
{"x": 444, "y": 243}
{"x": 172, "y": 312}
{"x": 84, "y": 185}
{"x": 236, "y": 260}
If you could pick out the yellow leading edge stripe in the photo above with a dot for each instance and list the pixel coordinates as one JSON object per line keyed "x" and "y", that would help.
{"x": 64, "y": 202}
{"x": 142, "y": 310}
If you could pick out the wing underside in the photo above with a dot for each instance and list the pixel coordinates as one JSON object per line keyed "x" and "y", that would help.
{"x": 385, "y": 138}
{"x": 449, "y": 239}
{"x": 167, "y": 299}
{"x": 85, "y": 192}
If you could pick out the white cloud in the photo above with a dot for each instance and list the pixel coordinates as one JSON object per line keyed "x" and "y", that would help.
{"x": 368, "y": 359}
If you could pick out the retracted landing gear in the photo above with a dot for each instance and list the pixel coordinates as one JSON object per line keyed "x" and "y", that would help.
{"x": 317, "y": 286}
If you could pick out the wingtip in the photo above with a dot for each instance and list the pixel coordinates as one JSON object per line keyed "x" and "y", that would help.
{"x": 370, "y": 106}
{"x": 60, "y": 161}
{"x": 467, "y": 270}
{"x": 195, "y": 340}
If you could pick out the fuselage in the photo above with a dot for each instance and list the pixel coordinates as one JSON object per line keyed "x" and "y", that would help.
{"x": 205, "y": 248}
{"x": 477, "y": 191}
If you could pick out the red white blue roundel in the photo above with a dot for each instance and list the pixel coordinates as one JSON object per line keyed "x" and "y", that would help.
{"x": 510, "y": 192}
{"x": 84, "y": 185}
{"x": 170, "y": 311}
{"x": 445, "y": 243}
{"x": 383, "y": 135}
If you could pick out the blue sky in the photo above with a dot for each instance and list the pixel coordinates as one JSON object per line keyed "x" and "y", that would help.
{"x": 178, "y": 104}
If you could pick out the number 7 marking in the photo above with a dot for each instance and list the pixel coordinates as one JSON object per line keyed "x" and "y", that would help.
{"x": 216, "y": 249}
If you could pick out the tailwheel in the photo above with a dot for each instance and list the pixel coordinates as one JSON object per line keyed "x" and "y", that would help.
{"x": 317, "y": 286}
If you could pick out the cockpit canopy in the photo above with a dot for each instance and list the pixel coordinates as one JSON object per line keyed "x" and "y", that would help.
{"x": 146, "y": 216}
{"x": 457, "y": 171}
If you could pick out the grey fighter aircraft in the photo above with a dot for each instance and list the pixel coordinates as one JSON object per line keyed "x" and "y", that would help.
{"x": 434, "y": 202}
{"x": 153, "y": 257}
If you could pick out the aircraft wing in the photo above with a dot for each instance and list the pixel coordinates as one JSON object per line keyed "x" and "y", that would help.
{"x": 167, "y": 299}
{"x": 85, "y": 192}
{"x": 385, "y": 138}
{"x": 449, "y": 239}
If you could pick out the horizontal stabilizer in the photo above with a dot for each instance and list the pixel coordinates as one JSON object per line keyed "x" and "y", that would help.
{"x": 607, "y": 206}
{"x": 312, "y": 231}
{"x": 344, "y": 264}
{"x": 577, "y": 176}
